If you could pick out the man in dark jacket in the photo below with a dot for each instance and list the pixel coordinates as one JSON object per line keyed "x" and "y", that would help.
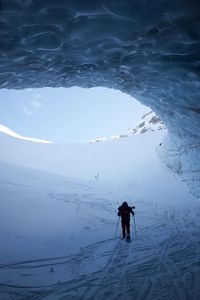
{"x": 124, "y": 212}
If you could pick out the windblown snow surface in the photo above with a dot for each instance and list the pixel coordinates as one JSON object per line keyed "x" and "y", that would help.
{"x": 58, "y": 222}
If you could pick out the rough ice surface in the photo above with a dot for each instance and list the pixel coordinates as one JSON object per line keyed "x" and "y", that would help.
{"x": 148, "y": 49}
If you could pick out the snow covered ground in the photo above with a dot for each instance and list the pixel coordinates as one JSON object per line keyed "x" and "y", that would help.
{"x": 58, "y": 222}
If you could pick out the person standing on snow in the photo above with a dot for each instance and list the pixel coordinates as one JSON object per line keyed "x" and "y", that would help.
{"x": 124, "y": 212}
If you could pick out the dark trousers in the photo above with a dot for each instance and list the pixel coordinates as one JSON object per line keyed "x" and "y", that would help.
{"x": 125, "y": 227}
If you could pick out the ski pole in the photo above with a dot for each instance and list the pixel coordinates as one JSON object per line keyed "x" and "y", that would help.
{"x": 117, "y": 228}
{"x": 134, "y": 226}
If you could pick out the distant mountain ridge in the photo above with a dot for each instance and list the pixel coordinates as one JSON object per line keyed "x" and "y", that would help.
{"x": 149, "y": 122}
{"x": 8, "y": 131}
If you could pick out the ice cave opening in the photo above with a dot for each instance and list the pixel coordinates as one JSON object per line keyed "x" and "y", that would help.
{"x": 78, "y": 114}
{"x": 148, "y": 49}
{"x": 59, "y": 235}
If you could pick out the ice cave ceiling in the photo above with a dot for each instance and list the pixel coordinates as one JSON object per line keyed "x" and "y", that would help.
{"x": 147, "y": 48}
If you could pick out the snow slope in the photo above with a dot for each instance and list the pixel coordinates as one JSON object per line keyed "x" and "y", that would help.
{"x": 115, "y": 160}
{"x": 58, "y": 222}
{"x": 8, "y": 131}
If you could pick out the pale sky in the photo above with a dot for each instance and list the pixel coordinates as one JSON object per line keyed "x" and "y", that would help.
{"x": 69, "y": 115}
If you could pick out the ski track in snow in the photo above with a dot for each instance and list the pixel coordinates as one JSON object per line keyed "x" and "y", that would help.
{"x": 147, "y": 268}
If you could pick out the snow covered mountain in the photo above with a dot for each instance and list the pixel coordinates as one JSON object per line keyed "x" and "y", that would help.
{"x": 59, "y": 219}
{"x": 8, "y": 131}
{"x": 149, "y": 122}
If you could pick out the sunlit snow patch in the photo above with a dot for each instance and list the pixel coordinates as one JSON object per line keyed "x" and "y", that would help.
{"x": 8, "y": 131}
